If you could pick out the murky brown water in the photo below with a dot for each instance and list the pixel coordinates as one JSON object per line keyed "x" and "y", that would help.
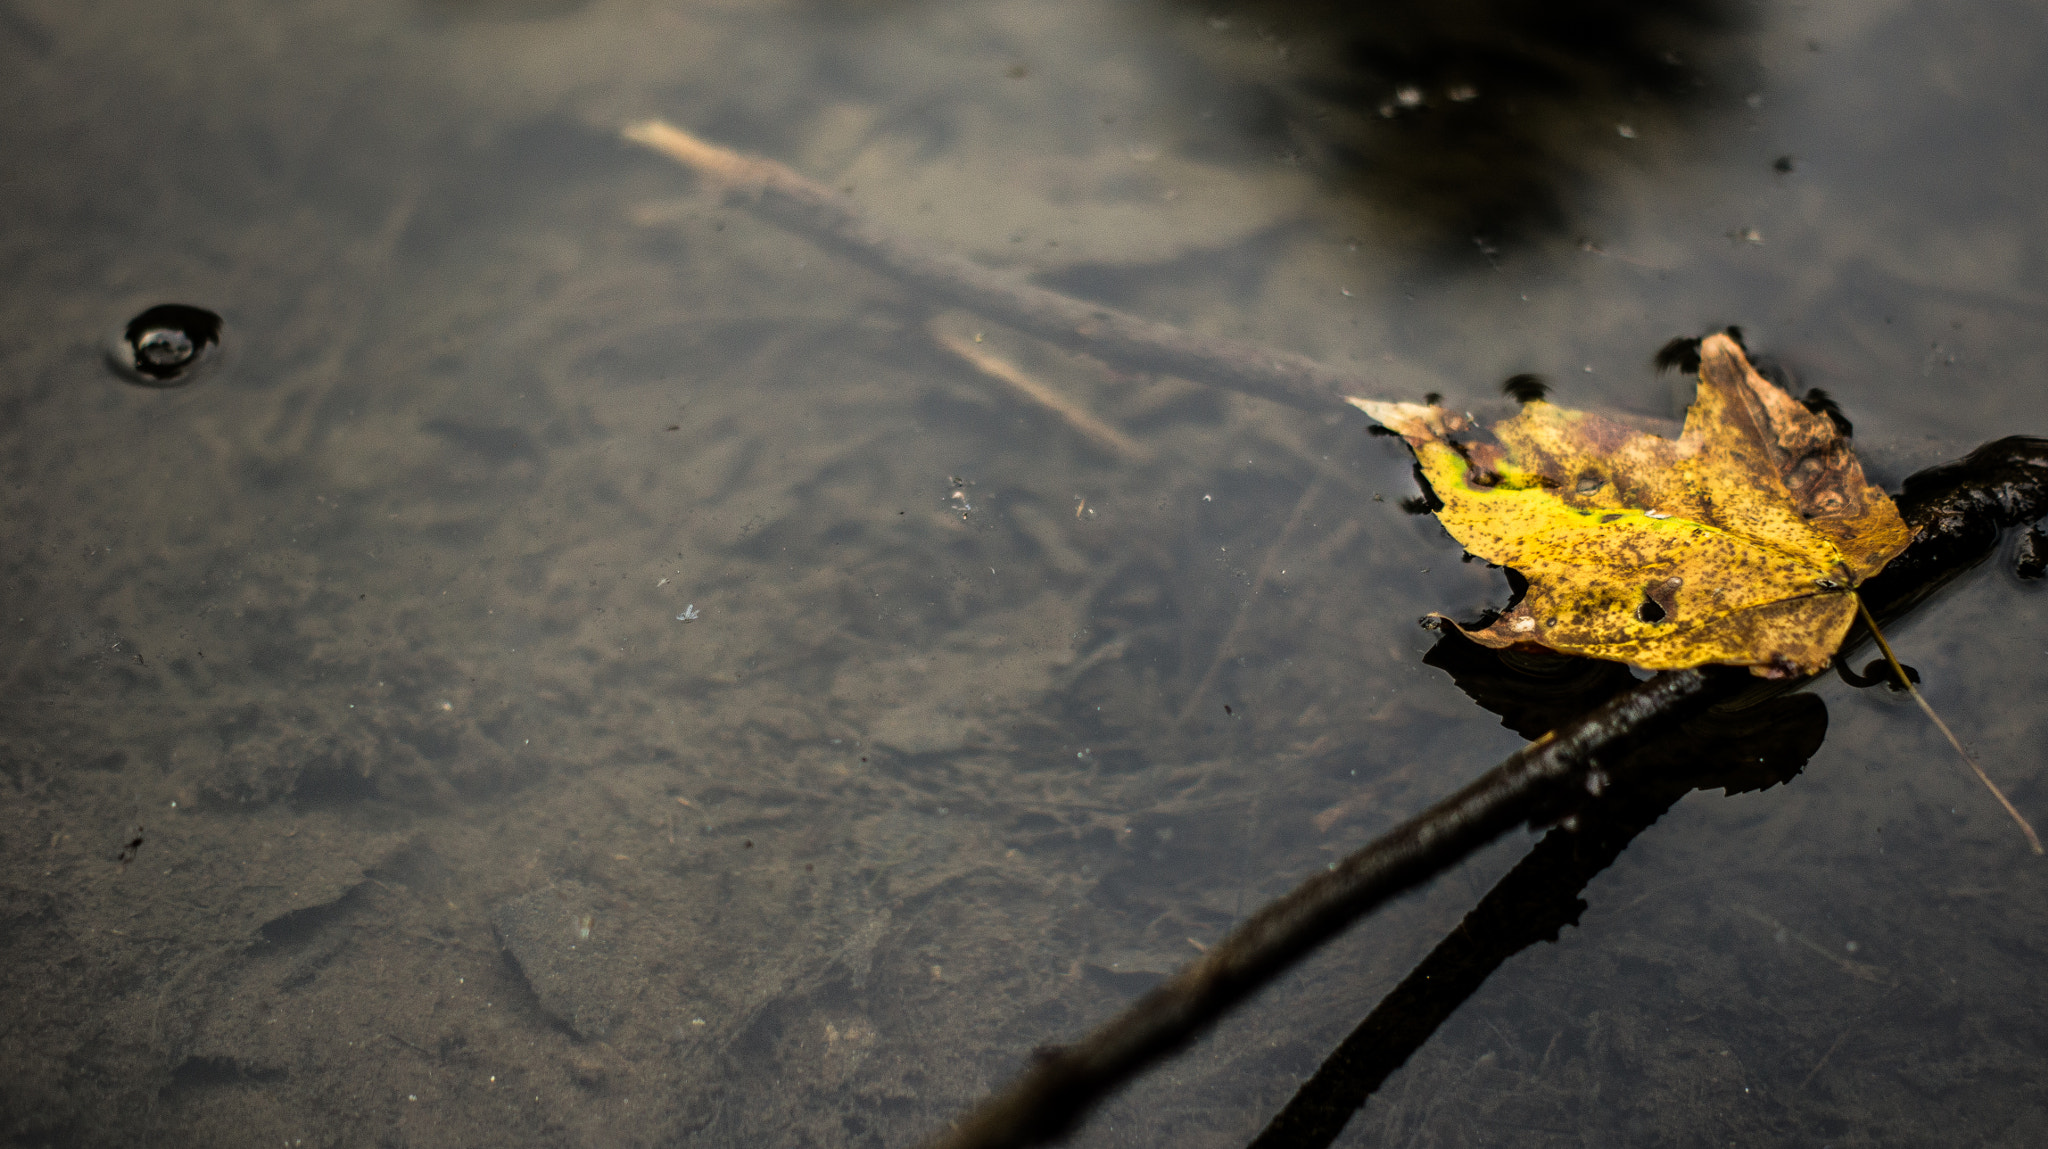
{"x": 455, "y": 834}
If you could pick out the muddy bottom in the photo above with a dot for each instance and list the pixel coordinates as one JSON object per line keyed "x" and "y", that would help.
{"x": 586, "y": 665}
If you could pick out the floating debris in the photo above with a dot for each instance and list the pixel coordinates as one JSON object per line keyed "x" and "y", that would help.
{"x": 166, "y": 344}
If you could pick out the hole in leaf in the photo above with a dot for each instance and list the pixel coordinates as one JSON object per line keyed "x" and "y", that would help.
{"x": 1649, "y": 611}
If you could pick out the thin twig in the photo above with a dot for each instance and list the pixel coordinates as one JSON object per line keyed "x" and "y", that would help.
{"x": 1244, "y": 610}
{"x": 2033, "y": 839}
{"x": 1073, "y": 414}
{"x": 409, "y": 1045}
{"x": 1819, "y": 1065}
{"x": 1861, "y": 971}
{"x": 1111, "y": 335}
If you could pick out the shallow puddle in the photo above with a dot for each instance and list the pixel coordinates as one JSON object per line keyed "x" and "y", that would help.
{"x": 583, "y": 664}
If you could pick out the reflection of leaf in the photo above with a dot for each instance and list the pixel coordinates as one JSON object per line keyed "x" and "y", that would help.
{"x": 1739, "y": 542}
{"x": 1533, "y": 691}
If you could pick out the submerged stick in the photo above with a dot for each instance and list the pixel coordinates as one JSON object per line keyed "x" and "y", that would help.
{"x": 1957, "y": 512}
{"x": 1117, "y": 337}
{"x": 1251, "y": 599}
{"x": 1073, "y": 414}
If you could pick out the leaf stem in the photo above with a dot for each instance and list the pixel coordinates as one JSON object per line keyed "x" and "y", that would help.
{"x": 2026, "y": 828}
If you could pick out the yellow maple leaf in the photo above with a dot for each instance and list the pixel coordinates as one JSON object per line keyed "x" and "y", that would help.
{"x": 1741, "y": 542}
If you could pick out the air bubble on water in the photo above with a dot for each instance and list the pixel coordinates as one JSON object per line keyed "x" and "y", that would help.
{"x": 164, "y": 345}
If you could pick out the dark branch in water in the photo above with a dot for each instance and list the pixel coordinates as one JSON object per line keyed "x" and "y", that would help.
{"x": 1116, "y": 337}
{"x": 1546, "y": 779}
{"x": 1738, "y": 750}
{"x": 1958, "y": 512}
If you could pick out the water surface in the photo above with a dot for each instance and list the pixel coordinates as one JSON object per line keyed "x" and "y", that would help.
{"x": 455, "y": 833}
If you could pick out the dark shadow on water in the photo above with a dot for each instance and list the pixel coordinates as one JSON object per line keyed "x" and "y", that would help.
{"x": 1479, "y": 120}
{"x": 1534, "y": 691}
{"x": 1735, "y": 750}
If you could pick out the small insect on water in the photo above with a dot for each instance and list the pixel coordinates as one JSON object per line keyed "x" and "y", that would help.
{"x": 134, "y": 843}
